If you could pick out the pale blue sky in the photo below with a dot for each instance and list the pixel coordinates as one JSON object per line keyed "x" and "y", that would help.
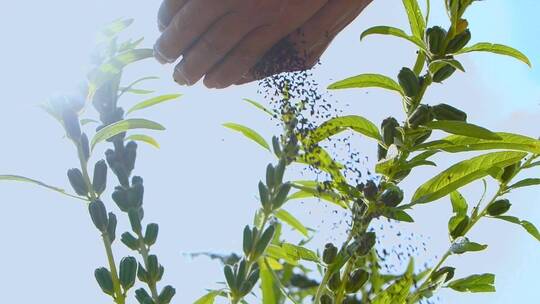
{"x": 201, "y": 186}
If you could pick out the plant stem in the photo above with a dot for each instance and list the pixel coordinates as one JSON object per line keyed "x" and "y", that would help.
{"x": 143, "y": 250}
{"x": 120, "y": 297}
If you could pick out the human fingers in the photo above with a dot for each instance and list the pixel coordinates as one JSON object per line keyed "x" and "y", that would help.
{"x": 167, "y": 11}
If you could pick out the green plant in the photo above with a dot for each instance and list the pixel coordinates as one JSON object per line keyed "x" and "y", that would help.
{"x": 352, "y": 268}
{"x": 104, "y": 91}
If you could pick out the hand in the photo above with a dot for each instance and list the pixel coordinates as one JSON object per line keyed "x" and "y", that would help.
{"x": 225, "y": 39}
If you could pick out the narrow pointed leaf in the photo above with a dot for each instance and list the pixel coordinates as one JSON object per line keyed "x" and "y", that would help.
{"x": 392, "y": 31}
{"x": 462, "y": 174}
{"x": 209, "y": 298}
{"x": 528, "y": 226}
{"x": 462, "y": 128}
{"x": 474, "y": 283}
{"x": 152, "y": 102}
{"x": 259, "y": 106}
{"x": 508, "y": 141}
{"x": 123, "y": 126}
{"x": 497, "y": 49}
{"x": 339, "y": 124}
{"x": 143, "y": 138}
{"x": 416, "y": 19}
{"x": 525, "y": 183}
{"x": 292, "y": 221}
{"x": 249, "y": 133}
{"x": 368, "y": 81}
{"x": 17, "y": 178}
{"x": 268, "y": 285}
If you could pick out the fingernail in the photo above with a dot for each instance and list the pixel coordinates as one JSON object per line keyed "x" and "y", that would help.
{"x": 159, "y": 55}
{"x": 180, "y": 77}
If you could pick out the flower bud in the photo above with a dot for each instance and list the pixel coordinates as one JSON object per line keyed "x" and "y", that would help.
{"x": 111, "y": 227}
{"x": 130, "y": 241}
{"x": 335, "y": 281}
{"x": 409, "y": 82}
{"x": 370, "y": 190}
{"x": 264, "y": 196}
{"x": 77, "y": 181}
{"x": 448, "y": 271}
{"x": 281, "y": 195}
{"x": 153, "y": 267}
{"x": 435, "y": 37}
{"x": 389, "y": 131}
{"x": 120, "y": 197}
{"x": 276, "y": 146}
{"x": 104, "y": 279}
{"x": 247, "y": 241}
{"x": 128, "y": 272}
{"x": 264, "y": 241}
{"x": 98, "y": 213}
{"x": 135, "y": 221}
{"x": 422, "y": 137}
{"x": 130, "y": 155}
{"x": 443, "y": 73}
{"x": 142, "y": 296}
{"x": 509, "y": 172}
{"x": 446, "y": 112}
{"x": 151, "y": 234}
{"x": 85, "y": 147}
{"x": 392, "y": 196}
{"x": 326, "y": 299}
{"x": 499, "y": 207}
{"x": 100, "y": 177}
{"x": 420, "y": 116}
{"x": 166, "y": 294}
{"x": 329, "y": 253}
{"x": 135, "y": 195}
{"x": 142, "y": 274}
{"x": 72, "y": 125}
{"x": 459, "y": 42}
{"x": 382, "y": 152}
{"x": 357, "y": 279}
{"x": 270, "y": 171}
{"x": 366, "y": 243}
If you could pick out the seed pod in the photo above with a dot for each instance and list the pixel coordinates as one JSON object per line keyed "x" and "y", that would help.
{"x": 85, "y": 147}
{"x": 448, "y": 271}
{"x": 264, "y": 241}
{"x": 130, "y": 155}
{"x": 446, "y": 112}
{"x": 459, "y": 229}
{"x": 100, "y": 177}
{"x": 111, "y": 227}
{"x": 459, "y": 42}
{"x": 329, "y": 253}
{"x": 366, "y": 242}
{"x": 229, "y": 276}
{"x": 392, "y": 196}
{"x": 499, "y": 207}
{"x": 77, "y": 181}
{"x": 509, "y": 172}
{"x": 130, "y": 241}
{"x": 135, "y": 221}
{"x": 264, "y": 196}
{"x": 270, "y": 171}
{"x": 357, "y": 279}
{"x": 443, "y": 73}
{"x": 421, "y": 116}
{"x": 104, "y": 279}
{"x": 151, "y": 234}
{"x": 241, "y": 273}
{"x": 120, "y": 197}
{"x": 72, "y": 125}
{"x": 98, "y": 213}
{"x": 435, "y": 39}
{"x": 335, "y": 282}
{"x": 153, "y": 267}
{"x": 279, "y": 172}
{"x": 423, "y": 137}
{"x": 128, "y": 272}
{"x": 277, "y": 146}
{"x": 389, "y": 131}
{"x": 166, "y": 294}
{"x": 382, "y": 152}
{"x": 142, "y": 274}
{"x": 160, "y": 273}
{"x": 370, "y": 190}
{"x": 249, "y": 283}
{"x": 248, "y": 241}
{"x": 326, "y": 299}
{"x": 281, "y": 195}
{"x": 409, "y": 82}
{"x": 142, "y": 296}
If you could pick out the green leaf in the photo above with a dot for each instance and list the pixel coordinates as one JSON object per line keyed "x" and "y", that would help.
{"x": 339, "y": 124}
{"x": 259, "y": 106}
{"x": 209, "y": 298}
{"x": 475, "y": 283}
{"x": 508, "y": 141}
{"x": 462, "y": 128}
{"x": 396, "y": 214}
{"x": 115, "y": 65}
{"x": 392, "y": 31}
{"x": 86, "y": 121}
{"x": 368, "y": 81}
{"x": 292, "y": 221}
{"x": 528, "y": 226}
{"x": 462, "y": 174}
{"x": 268, "y": 286}
{"x": 139, "y": 91}
{"x": 459, "y": 204}
{"x": 134, "y": 83}
{"x": 462, "y": 245}
{"x": 399, "y": 290}
{"x": 123, "y": 126}
{"x": 436, "y": 65}
{"x": 17, "y": 178}
{"x": 143, "y": 138}
{"x": 152, "y": 102}
{"x": 317, "y": 191}
{"x": 525, "y": 183}
{"x": 416, "y": 19}
{"x": 300, "y": 253}
{"x": 278, "y": 253}
{"x": 497, "y": 49}
{"x": 249, "y": 133}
